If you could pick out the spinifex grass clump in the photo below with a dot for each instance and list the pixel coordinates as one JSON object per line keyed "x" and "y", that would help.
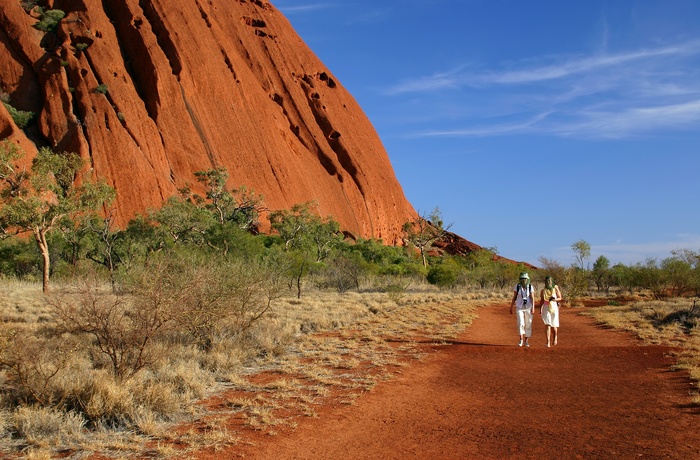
{"x": 89, "y": 369}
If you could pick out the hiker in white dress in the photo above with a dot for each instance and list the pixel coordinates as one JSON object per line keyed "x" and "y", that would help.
{"x": 550, "y": 297}
{"x": 524, "y": 303}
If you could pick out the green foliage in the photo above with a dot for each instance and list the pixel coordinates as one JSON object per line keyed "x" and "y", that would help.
{"x": 575, "y": 284}
{"x": 445, "y": 274}
{"x": 307, "y": 239}
{"x": 39, "y": 200}
{"x": 424, "y": 231}
{"x": 482, "y": 267}
{"x": 623, "y": 277}
{"x": 679, "y": 275}
{"x": 18, "y": 259}
{"x": 28, "y": 5}
{"x": 101, "y": 89}
{"x": 601, "y": 274}
{"x": 181, "y": 221}
{"x": 49, "y": 19}
{"x": 230, "y": 238}
{"x": 303, "y": 245}
{"x": 582, "y": 252}
{"x": 238, "y": 206}
{"x": 20, "y": 117}
{"x": 301, "y": 230}
{"x": 672, "y": 277}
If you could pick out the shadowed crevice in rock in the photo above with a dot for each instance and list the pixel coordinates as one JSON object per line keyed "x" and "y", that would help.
{"x": 333, "y": 139}
{"x": 205, "y": 16}
{"x": 137, "y": 62}
{"x": 163, "y": 36}
{"x": 198, "y": 127}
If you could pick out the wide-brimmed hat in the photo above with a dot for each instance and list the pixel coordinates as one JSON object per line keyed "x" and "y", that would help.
{"x": 524, "y": 276}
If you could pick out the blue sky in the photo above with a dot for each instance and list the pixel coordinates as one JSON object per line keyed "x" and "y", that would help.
{"x": 531, "y": 124}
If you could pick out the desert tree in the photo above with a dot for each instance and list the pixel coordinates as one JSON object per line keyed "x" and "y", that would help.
{"x": 649, "y": 275}
{"x": 424, "y": 231}
{"x": 623, "y": 277}
{"x": 179, "y": 221}
{"x": 679, "y": 275}
{"x": 506, "y": 272}
{"x": 601, "y": 273}
{"x": 105, "y": 237}
{"x": 307, "y": 238}
{"x": 482, "y": 266}
{"x": 582, "y": 253}
{"x": 39, "y": 199}
{"x": 239, "y": 206}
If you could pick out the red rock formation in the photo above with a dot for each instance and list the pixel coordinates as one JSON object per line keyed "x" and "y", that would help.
{"x": 454, "y": 244}
{"x": 191, "y": 85}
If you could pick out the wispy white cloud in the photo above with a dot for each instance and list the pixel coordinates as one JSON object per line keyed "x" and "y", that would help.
{"x": 489, "y": 130}
{"x": 588, "y": 123}
{"x": 603, "y": 96}
{"x": 632, "y": 121}
{"x": 309, "y": 7}
{"x": 442, "y": 80}
{"x": 584, "y": 65}
{"x": 565, "y": 67}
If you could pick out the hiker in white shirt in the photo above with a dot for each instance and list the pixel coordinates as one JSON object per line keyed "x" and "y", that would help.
{"x": 524, "y": 303}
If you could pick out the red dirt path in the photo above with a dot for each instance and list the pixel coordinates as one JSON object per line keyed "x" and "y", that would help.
{"x": 597, "y": 395}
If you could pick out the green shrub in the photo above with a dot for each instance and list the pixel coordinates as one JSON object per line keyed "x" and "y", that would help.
{"x": 21, "y": 118}
{"x": 445, "y": 274}
{"x": 101, "y": 89}
{"x": 18, "y": 258}
{"x": 29, "y": 5}
{"x": 48, "y": 20}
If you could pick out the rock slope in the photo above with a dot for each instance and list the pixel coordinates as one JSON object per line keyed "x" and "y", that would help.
{"x": 150, "y": 91}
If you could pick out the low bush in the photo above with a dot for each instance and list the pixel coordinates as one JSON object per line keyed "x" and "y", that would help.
{"x": 20, "y": 117}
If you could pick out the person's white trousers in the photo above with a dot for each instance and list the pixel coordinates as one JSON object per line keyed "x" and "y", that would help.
{"x": 524, "y": 321}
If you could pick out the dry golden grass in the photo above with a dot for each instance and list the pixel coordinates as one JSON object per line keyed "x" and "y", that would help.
{"x": 671, "y": 322}
{"x": 323, "y": 348}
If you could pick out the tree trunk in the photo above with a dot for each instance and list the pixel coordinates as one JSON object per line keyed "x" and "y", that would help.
{"x": 40, "y": 238}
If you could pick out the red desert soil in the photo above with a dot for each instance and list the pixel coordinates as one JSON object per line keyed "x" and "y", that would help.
{"x": 597, "y": 395}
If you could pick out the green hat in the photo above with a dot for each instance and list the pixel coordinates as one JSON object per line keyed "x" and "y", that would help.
{"x": 524, "y": 276}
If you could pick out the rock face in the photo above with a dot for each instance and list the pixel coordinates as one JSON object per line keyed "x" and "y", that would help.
{"x": 150, "y": 91}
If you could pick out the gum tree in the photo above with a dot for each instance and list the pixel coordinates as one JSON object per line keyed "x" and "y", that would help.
{"x": 39, "y": 199}
{"x": 424, "y": 231}
{"x": 238, "y": 206}
{"x": 307, "y": 239}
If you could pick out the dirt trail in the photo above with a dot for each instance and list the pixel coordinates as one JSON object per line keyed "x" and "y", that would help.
{"x": 597, "y": 395}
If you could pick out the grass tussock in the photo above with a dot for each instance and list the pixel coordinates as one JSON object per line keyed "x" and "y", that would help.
{"x": 68, "y": 386}
{"x": 674, "y": 322}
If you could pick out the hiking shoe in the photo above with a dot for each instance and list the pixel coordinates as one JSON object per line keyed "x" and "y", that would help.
{"x": 520, "y": 344}
{"x": 527, "y": 344}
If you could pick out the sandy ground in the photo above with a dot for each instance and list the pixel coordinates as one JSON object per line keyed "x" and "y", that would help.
{"x": 599, "y": 394}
